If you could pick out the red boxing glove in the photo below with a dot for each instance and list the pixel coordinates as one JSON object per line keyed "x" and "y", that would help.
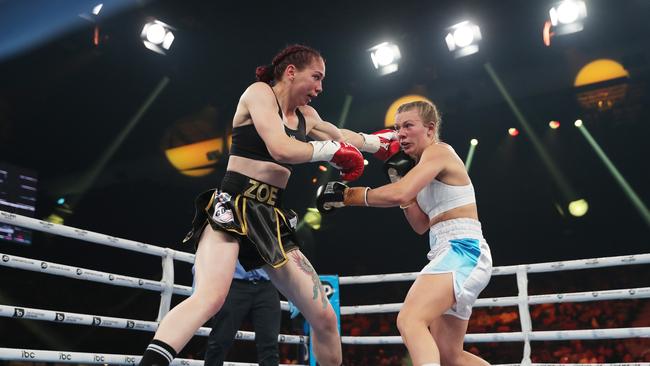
{"x": 387, "y": 150}
{"x": 341, "y": 155}
{"x": 349, "y": 160}
{"x": 382, "y": 144}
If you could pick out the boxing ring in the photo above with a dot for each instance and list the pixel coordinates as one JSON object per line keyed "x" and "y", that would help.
{"x": 166, "y": 287}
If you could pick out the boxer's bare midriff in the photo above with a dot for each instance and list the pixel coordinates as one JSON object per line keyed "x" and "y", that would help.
{"x": 468, "y": 211}
{"x": 263, "y": 171}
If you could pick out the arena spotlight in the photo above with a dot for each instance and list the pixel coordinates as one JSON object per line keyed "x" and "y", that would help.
{"x": 94, "y": 13}
{"x": 620, "y": 179}
{"x": 385, "y": 57}
{"x": 55, "y": 219}
{"x": 97, "y": 9}
{"x": 313, "y": 218}
{"x": 157, "y": 36}
{"x": 554, "y": 125}
{"x": 513, "y": 131}
{"x": 61, "y": 212}
{"x": 578, "y": 207}
{"x": 463, "y": 38}
{"x": 470, "y": 154}
{"x": 568, "y": 16}
{"x": 578, "y": 123}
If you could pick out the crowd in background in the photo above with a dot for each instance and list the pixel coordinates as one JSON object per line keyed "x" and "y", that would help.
{"x": 563, "y": 316}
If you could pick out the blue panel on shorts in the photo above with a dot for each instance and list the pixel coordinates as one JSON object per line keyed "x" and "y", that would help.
{"x": 461, "y": 259}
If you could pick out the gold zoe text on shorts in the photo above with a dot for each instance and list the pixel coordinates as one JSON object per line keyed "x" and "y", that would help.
{"x": 261, "y": 192}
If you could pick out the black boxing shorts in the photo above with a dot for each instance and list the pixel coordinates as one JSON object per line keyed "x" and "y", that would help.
{"x": 249, "y": 211}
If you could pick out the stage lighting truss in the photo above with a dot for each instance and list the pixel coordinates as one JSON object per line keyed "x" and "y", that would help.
{"x": 157, "y": 36}
{"x": 463, "y": 38}
{"x": 385, "y": 57}
{"x": 568, "y": 16}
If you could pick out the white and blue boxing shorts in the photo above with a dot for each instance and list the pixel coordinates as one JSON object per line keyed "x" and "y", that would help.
{"x": 458, "y": 247}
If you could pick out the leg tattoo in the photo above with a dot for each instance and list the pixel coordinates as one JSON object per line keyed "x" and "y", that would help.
{"x": 306, "y": 267}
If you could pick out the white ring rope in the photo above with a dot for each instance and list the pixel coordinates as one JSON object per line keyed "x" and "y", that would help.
{"x": 623, "y": 294}
{"x": 92, "y": 237}
{"x": 581, "y": 364}
{"x": 81, "y": 273}
{"x": 167, "y": 286}
{"x": 511, "y": 270}
{"x": 21, "y": 312}
{"x": 546, "y": 335}
{"x": 87, "y": 274}
{"x": 33, "y": 355}
{"x": 134, "y": 282}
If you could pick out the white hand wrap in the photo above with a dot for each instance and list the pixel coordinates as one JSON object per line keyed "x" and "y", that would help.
{"x": 324, "y": 150}
{"x": 371, "y": 143}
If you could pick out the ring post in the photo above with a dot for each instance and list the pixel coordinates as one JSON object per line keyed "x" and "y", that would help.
{"x": 524, "y": 311}
{"x": 168, "y": 283}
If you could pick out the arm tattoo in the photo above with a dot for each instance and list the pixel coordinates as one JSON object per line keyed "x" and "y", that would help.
{"x": 306, "y": 267}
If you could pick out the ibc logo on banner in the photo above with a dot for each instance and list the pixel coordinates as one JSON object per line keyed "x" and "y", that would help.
{"x": 59, "y": 317}
{"x": 97, "y": 320}
{"x": 5, "y": 258}
{"x": 130, "y": 324}
{"x": 27, "y": 354}
{"x": 19, "y": 313}
{"x": 330, "y": 287}
{"x": 129, "y": 360}
{"x": 329, "y": 291}
{"x": 65, "y": 356}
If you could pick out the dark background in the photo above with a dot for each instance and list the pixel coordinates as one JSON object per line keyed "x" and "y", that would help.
{"x": 64, "y": 100}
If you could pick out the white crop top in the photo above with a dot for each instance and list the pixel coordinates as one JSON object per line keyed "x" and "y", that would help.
{"x": 438, "y": 197}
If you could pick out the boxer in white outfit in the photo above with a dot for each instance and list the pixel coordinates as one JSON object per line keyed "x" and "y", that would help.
{"x": 437, "y": 195}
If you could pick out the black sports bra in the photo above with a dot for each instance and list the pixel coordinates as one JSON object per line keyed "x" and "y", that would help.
{"x": 246, "y": 142}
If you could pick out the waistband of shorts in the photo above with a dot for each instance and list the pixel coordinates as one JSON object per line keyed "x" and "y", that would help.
{"x": 457, "y": 226}
{"x": 236, "y": 183}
